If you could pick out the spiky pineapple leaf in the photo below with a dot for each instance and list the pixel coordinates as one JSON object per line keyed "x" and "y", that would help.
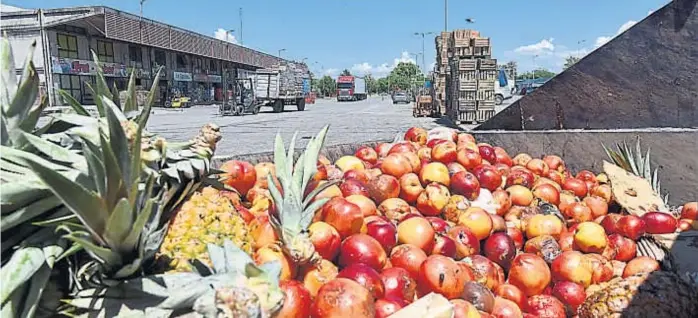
{"x": 53, "y": 151}
{"x": 118, "y": 143}
{"x": 29, "y": 123}
{"x": 26, "y": 92}
{"x": 322, "y": 187}
{"x": 7, "y": 71}
{"x": 20, "y": 268}
{"x": 73, "y": 103}
{"x": 312, "y": 151}
{"x": 131, "y": 103}
{"x": 119, "y": 223}
{"x": 29, "y": 212}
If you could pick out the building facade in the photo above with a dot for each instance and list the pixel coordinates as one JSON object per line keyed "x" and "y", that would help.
{"x": 193, "y": 65}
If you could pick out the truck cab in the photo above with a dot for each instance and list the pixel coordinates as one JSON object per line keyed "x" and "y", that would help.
{"x": 505, "y": 87}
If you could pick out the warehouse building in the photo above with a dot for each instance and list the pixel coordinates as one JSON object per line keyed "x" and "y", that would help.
{"x": 194, "y": 65}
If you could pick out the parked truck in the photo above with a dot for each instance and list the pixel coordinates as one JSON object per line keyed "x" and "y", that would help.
{"x": 351, "y": 88}
{"x": 505, "y": 87}
{"x": 282, "y": 85}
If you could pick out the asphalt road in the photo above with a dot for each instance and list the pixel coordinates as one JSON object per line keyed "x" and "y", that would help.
{"x": 350, "y": 122}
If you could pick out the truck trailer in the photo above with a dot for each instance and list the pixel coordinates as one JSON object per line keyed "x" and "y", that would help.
{"x": 284, "y": 84}
{"x": 351, "y": 88}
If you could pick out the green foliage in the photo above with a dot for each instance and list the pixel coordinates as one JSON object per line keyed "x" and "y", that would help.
{"x": 371, "y": 84}
{"x": 326, "y": 86}
{"x": 539, "y": 73}
{"x": 571, "y": 60}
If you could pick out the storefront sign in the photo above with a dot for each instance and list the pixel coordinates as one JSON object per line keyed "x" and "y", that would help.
{"x": 61, "y": 65}
{"x": 215, "y": 78}
{"x": 181, "y": 76}
{"x": 154, "y": 70}
{"x": 140, "y": 73}
{"x": 200, "y": 78}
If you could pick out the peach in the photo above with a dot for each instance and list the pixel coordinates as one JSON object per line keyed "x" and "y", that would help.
{"x": 590, "y": 238}
{"x": 410, "y": 188}
{"x": 435, "y": 172}
{"x": 478, "y": 221}
{"x": 433, "y": 200}
{"x": 347, "y": 163}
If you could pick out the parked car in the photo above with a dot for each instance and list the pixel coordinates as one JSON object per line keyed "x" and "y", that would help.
{"x": 401, "y": 97}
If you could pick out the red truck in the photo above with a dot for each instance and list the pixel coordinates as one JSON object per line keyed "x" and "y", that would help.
{"x": 351, "y": 88}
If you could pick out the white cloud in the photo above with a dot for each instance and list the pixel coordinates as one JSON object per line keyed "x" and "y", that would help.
{"x": 383, "y": 69}
{"x": 221, "y": 34}
{"x": 545, "y": 46}
{"x": 604, "y": 39}
{"x": 331, "y": 72}
{"x": 546, "y": 54}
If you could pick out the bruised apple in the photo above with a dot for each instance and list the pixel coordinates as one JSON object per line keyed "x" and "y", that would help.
{"x": 408, "y": 257}
{"x": 435, "y": 172}
{"x": 465, "y": 184}
{"x": 418, "y": 232}
{"x": 442, "y": 275}
{"x": 433, "y": 199}
{"x": 366, "y": 276}
{"x": 410, "y": 188}
{"x": 365, "y": 204}
{"x": 383, "y": 187}
{"x": 343, "y": 297}
{"x": 367, "y": 154}
{"x": 466, "y": 242}
{"x": 444, "y": 152}
{"x": 352, "y": 187}
{"x": 529, "y": 273}
{"x": 347, "y": 163}
{"x": 325, "y": 239}
{"x": 398, "y": 283}
{"x": 469, "y": 158}
{"x": 343, "y": 215}
{"x": 417, "y": 135}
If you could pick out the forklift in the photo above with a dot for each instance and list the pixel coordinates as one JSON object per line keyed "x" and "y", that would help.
{"x": 243, "y": 100}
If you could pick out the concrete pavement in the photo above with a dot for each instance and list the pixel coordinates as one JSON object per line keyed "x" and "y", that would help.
{"x": 350, "y": 122}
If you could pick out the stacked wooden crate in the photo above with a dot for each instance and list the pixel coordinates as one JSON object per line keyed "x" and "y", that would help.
{"x": 441, "y": 71}
{"x": 471, "y": 83}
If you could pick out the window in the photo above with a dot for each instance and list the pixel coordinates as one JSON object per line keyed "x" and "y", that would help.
{"x": 105, "y": 51}
{"x": 135, "y": 55}
{"x": 213, "y": 67}
{"x": 67, "y": 46}
{"x": 71, "y": 84}
{"x": 181, "y": 61}
{"x": 160, "y": 58}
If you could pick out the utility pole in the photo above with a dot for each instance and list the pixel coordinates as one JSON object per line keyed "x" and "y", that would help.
{"x": 140, "y": 20}
{"x": 445, "y": 15}
{"x": 281, "y": 50}
{"x": 240, "y": 33}
{"x": 423, "y": 34}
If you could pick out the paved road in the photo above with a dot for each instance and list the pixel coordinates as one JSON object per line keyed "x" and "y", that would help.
{"x": 350, "y": 122}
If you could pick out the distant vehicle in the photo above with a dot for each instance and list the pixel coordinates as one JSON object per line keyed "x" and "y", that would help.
{"x": 178, "y": 102}
{"x": 243, "y": 101}
{"x": 351, "y": 88}
{"x": 526, "y": 90}
{"x": 282, "y": 85}
{"x": 401, "y": 97}
{"x": 505, "y": 88}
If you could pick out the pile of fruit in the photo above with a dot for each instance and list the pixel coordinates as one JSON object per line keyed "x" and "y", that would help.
{"x": 440, "y": 213}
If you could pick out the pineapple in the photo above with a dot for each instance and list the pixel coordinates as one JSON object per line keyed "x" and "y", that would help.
{"x": 293, "y": 213}
{"x": 658, "y": 294}
{"x": 206, "y": 218}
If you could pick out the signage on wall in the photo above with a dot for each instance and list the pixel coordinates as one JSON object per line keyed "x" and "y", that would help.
{"x": 200, "y": 78}
{"x": 61, "y": 65}
{"x": 181, "y": 76}
{"x": 208, "y": 78}
{"x": 140, "y": 73}
{"x": 215, "y": 78}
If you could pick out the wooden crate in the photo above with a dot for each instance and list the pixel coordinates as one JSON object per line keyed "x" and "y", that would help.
{"x": 467, "y": 85}
{"x": 483, "y": 51}
{"x": 422, "y": 109}
{"x": 467, "y": 75}
{"x": 485, "y": 104}
{"x": 484, "y": 85}
{"x": 475, "y": 117}
{"x": 465, "y": 51}
{"x": 467, "y": 105}
{"x": 467, "y": 65}
{"x": 467, "y": 95}
{"x": 481, "y": 42}
{"x": 487, "y": 64}
{"x": 465, "y": 33}
{"x": 484, "y": 95}
{"x": 424, "y": 99}
{"x": 487, "y": 75}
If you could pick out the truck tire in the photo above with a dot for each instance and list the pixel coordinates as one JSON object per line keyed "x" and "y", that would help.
{"x": 278, "y": 106}
{"x": 498, "y": 99}
{"x": 300, "y": 103}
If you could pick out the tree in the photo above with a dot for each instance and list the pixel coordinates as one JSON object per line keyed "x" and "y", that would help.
{"x": 570, "y": 60}
{"x": 404, "y": 76}
{"x": 326, "y": 86}
{"x": 345, "y": 73}
{"x": 371, "y": 84}
{"x": 539, "y": 73}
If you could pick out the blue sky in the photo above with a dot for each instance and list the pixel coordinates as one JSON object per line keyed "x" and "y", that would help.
{"x": 371, "y": 36}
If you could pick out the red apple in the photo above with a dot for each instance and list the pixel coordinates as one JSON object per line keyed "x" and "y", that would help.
{"x": 455, "y": 167}
{"x": 659, "y": 223}
{"x": 401, "y": 147}
{"x": 444, "y": 245}
{"x": 487, "y": 152}
{"x": 409, "y": 257}
{"x": 626, "y": 249}
{"x": 466, "y": 242}
{"x": 385, "y": 307}
{"x": 630, "y": 226}
{"x": 439, "y": 224}
{"x": 361, "y": 248}
{"x": 433, "y": 142}
{"x": 433, "y": 200}
{"x": 503, "y": 157}
{"x": 690, "y": 211}
{"x": 383, "y": 187}
{"x": 410, "y": 188}
{"x": 469, "y": 158}
{"x": 384, "y": 232}
{"x": 353, "y": 186}
{"x": 367, "y": 154}
{"x": 325, "y": 239}
{"x": 609, "y": 223}
{"x": 366, "y": 276}
{"x": 488, "y": 176}
{"x": 297, "y": 302}
{"x": 521, "y": 176}
{"x": 416, "y": 134}
{"x": 435, "y": 172}
{"x": 465, "y": 184}
{"x": 569, "y": 293}
{"x": 399, "y": 283}
{"x": 500, "y": 248}
{"x": 444, "y": 152}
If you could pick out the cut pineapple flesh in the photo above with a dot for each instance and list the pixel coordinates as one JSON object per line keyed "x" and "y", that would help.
{"x": 207, "y": 217}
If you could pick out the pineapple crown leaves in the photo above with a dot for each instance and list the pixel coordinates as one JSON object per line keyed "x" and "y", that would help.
{"x": 636, "y": 164}
{"x": 16, "y": 99}
{"x": 293, "y": 213}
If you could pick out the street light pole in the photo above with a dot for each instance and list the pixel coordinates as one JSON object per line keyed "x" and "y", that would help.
{"x": 445, "y": 15}
{"x": 240, "y": 26}
{"x": 281, "y": 50}
{"x": 423, "y": 34}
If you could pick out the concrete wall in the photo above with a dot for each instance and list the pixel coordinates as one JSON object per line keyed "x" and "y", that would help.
{"x": 673, "y": 152}
{"x": 645, "y": 77}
